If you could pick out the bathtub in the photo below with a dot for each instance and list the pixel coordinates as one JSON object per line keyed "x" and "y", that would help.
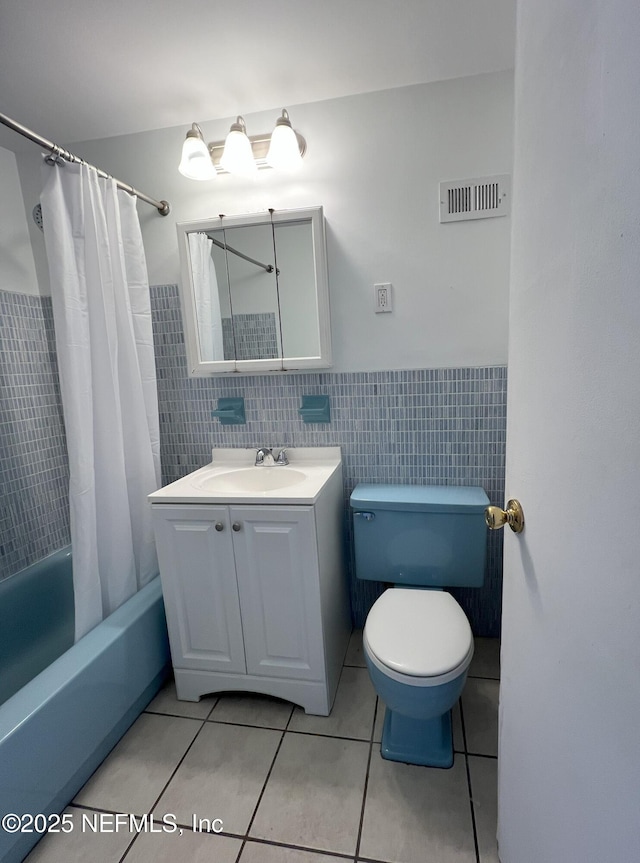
{"x": 57, "y": 728}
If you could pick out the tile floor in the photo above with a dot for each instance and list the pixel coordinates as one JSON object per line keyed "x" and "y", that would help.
{"x": 290, "y": 788}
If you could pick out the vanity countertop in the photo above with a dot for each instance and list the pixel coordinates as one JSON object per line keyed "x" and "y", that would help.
{"x": 232, "y": 477}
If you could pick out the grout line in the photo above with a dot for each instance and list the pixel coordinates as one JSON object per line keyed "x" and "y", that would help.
{"x": 483, "y": 677}
{"x": 176, "y": 715}
{"x": 157, "y": 800}
{"x": 245, "y": 724}
{"x": 264, "y": 788}
{"x": 483, "y": 755}
{"x": 466, "y": 764}
{"x": 292, "y": 730}
{"x": 243, "y": 837}
{"x": 306, "y": 848}
{"x": 329, "y": 736}
{"x": 366, "y": 778}
{"x": 213, "y": 707}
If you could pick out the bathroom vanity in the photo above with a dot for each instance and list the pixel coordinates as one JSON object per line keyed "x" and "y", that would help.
{"x": 252, "y": 568}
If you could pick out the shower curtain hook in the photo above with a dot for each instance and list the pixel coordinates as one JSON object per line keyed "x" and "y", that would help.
{"x": 55, "y": 156}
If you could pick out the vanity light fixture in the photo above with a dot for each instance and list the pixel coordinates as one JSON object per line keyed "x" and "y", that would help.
{"x": 196, "y": 161}
{"x": 240, "y": 154}
{"x": 237, "y": 156}
{"x": 284, "y": 152}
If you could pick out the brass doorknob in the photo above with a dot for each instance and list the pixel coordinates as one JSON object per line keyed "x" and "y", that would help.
{"x": 513, "y": 516}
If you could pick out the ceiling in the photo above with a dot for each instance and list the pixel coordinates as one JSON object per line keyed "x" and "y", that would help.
{"x": 74, "y": 70}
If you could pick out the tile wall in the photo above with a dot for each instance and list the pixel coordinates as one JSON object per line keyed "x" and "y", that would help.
{"x": 249, "y": 337}
{"x": 421, "y": 426}
{"x": 34, "y": 476}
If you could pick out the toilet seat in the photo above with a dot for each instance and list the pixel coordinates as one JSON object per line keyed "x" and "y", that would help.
{"x": 418, "y": 637}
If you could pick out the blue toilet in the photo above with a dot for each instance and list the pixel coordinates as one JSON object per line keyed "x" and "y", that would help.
{"x": 417, "y": 640}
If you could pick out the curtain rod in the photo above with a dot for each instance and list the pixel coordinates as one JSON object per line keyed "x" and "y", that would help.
{"x": 267, "y": 267}
{"x": 162, "y": 207}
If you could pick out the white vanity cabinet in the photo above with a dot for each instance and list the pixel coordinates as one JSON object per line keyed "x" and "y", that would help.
{"x": 255, "y": 596}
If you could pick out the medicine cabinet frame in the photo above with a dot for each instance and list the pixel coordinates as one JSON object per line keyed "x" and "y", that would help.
{"x": 197, "y": 367}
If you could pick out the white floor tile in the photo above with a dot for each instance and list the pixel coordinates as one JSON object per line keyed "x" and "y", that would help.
{"x": 480, "y": 712}
{"x": 222, "y": 776}
{"x": 417, "y": 814}
{"x": 249, "y": 709}
{"x": 486, "y": 658}
{"x": 167, "y": 702}
{"x": 352, "y": 712}
{"x": 355, "y": 653}
{"x": 313, "y": 797}
{"x": 314, "y": 794}
{"x": 134, "y": 774}
{"x": 80, "y": 845}
{"x": 258, "y": 852}
{"x": 484, "y": 790}
{"x": 187, "y": 846}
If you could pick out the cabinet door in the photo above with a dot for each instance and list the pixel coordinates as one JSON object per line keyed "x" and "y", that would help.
{"x": 198, "y": 575}
{"x": 278, "y": 581}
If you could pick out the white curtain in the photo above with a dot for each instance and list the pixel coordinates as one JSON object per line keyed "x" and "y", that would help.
{"x": 102, "y": 318}
{"x": 205, "y": 287}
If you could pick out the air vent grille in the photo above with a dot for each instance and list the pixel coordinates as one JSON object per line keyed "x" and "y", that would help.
{"x": 478, "y": 198}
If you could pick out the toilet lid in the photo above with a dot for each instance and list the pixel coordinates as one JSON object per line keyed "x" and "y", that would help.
{"x": 421, "y": 633}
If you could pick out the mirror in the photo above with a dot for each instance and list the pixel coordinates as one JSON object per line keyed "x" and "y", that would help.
{"x": 254, "y": 292}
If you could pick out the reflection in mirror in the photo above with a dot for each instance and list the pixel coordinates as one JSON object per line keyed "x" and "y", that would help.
{"x": 252, "y": 325}
{"x": 208, "y": 296}
{"x": 254, "y": 292}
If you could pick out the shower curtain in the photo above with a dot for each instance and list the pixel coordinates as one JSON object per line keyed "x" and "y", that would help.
{"x": 205, "y": 288}
{"x": 102, "y": 320}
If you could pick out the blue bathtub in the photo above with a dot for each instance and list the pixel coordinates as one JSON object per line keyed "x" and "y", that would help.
{"x": 57, "y": 728}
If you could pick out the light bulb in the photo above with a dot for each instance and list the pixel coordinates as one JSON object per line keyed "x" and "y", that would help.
{"x": 237, "y": 156}
{"x": 196, "y": 161}
{"x": 284, "y": 150}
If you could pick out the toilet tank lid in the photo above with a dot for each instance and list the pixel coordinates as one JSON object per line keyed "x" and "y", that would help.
{"x": 424, "y": 498}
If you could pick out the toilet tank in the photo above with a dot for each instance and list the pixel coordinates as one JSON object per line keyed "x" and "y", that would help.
{"x": 423, "y": 535}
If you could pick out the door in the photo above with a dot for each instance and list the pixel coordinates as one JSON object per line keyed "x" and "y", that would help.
{"x": 198, "y": 574}
{"x": 569, "y": 753}
{"x": 279, "y": 585}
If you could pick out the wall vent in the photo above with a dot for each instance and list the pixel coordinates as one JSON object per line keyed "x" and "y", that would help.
{"x": 478, "y": 198}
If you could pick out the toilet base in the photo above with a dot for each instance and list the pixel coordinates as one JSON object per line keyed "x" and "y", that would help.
{"x": 427, "y": 742}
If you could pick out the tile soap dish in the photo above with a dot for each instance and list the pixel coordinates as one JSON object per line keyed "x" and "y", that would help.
{"x": 230, "y": 412}
{"x": 315, "y": 409}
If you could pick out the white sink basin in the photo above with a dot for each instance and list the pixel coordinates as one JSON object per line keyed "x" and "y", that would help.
{"x": 232, "y": 477}
{"x": 252, "y": 479}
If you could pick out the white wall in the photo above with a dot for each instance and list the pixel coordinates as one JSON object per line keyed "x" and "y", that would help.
{"x": 569, "y": 757}
{"x": 17, "y": 267}
{"x": 374, "y": 163}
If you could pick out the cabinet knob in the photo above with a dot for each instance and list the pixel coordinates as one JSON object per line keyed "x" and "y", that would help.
{"x": 236, "y": 526}
{"x": 219, "y": 526}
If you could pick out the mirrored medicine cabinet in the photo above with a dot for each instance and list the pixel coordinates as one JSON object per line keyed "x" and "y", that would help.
{"x": 254, "y": 292}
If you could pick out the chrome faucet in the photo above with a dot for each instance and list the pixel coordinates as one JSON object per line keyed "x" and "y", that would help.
{"x": 264, "y": 456}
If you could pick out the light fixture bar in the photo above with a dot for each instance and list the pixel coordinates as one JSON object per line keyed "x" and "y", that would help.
{"x": 259, "y": 146}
